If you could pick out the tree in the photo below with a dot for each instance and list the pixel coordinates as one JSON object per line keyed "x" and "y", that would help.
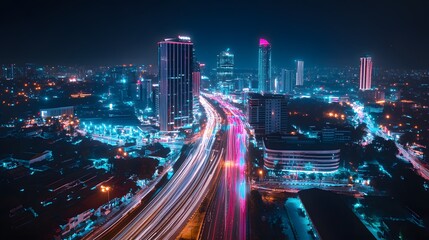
{"x": 426, "y": 153}
{"x": 407, "y": 138}
{"x": 278, "y": 229}
{"x": 359, "y": 132}
{"x": 277, "y": 168}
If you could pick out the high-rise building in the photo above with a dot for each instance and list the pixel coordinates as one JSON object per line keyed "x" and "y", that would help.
{"x": 267, "y": 113}
{"x": 175, "y": 61}
{"x": 265, "y": 83}
{"x": 225, "y": 65}
{"x": 365, "y": 73}
{"x": 299, "y": 73}
{"x": 225, "y": 71}
{"x": 143, "y": 96}
{"x": 196, "y": 81}
{"x": 287, "y": 81}
{"x": 8, "y": 72}
{"x": 155, "y": 98}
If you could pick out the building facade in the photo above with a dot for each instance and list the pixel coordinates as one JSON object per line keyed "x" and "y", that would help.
{"x": 57, "y": 112}
{"x": 175, "y": 61}
{"x": 365, "y": 73}
{"x": 284, "y": 155}
{"x": 299, "y": 73}
{"x": 143, "y": 94}
{"x": 267, "y": 113}
{"x": 265, "y": 83}
{"x": 286, "y": 83}
{"x": 225, "y": 65}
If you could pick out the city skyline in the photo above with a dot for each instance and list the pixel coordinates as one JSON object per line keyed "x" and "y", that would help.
{"x": 49, "y": 33}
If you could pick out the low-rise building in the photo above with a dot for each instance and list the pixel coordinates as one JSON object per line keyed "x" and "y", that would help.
{"x": 28, "y": 158}
{"x": 300, "y": 155}
{"x": 57, "y": 112}
{"x": 333, "y": 134}
{"x": 330, "y": 216}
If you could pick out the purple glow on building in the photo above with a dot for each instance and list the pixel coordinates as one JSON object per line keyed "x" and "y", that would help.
{"x": 263, "y": 42}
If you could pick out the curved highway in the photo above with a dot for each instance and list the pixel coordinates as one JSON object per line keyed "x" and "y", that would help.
{"x": 168, "y": 212}
{"x": 226, "y": 216}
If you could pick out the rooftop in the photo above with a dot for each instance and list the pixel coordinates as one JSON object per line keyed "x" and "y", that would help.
{"x": 178, "y": 39}
{"x": 253, "y": 95}
{"x": 297, "y": 144}
{"x": 331, "y": 217}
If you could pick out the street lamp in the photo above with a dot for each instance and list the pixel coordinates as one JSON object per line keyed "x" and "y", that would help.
{"x": 106, "y": 189}
{"x": 260, "y": 174}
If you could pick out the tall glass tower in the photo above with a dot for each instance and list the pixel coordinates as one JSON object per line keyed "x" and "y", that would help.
{"x": 175, "y": 61}
{"x": 225, "y": 65}
{"x": 299, "y": 73}
{"x": 365, "y": 73}
{"x": 287, "y": 81}
{"x": 264, "y": 67}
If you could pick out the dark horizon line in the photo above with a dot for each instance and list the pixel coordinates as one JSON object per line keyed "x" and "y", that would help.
{"x": 238, "y": 68}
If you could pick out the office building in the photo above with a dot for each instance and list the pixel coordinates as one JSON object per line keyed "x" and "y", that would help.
{"x": 267, "y": 113}
{"x": 299, "y": 73}
{"x": 265, "y": 83}
{"x": 143, "y": 96}
{"x": 286, "y": 82}
{"x": 175, "y": 61}
{"x": 196, "y": 83}
{"x": 155, "y": 98}
{"x": 365, "y": 73}
{"x": 372, "y": 96}
{"x": 8, "y": 71}
{"x": 330, "y": 216}
{"x": 225, "y": 65}
{"x": 337, "y": 135}
{"x": 290, "y": 153}
{"x": 57, "y": 112}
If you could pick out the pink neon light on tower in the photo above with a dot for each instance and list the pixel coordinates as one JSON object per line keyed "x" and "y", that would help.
{"x": 263, "y": 42}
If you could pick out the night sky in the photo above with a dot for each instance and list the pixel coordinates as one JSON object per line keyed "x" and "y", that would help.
{"x": 323, "y": 33}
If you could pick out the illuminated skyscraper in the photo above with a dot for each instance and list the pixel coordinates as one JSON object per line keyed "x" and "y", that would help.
{"x": 265, "y": 83}
{"x": 267, "y": 113}
{"x": 365, "y": 73}
{"x": 8, "y": 72}
{"x": 225, "y": 65}
{"x": 299, "y": 73}
{"x": 287, "y": 81}
{"x": 196, "y": 81}
{"x": 175, "y": 61}
{"x": 225, "y": 71}
{"x": 143, "y": 94}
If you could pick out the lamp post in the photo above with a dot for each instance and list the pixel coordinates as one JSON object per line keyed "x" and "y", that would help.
{"x": 260, "y": 174}
{"x": 106, "y": 189}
